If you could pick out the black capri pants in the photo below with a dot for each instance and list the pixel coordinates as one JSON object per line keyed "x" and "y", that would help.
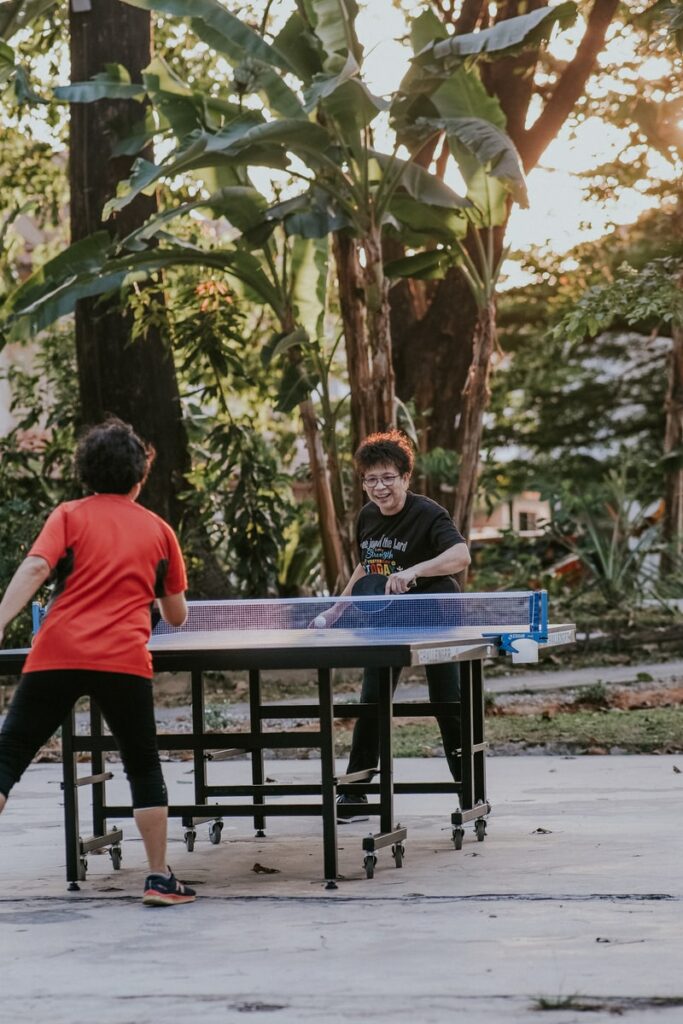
{"x": 42, "y": 701}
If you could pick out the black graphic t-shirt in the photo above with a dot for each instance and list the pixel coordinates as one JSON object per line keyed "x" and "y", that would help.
{"x": 420, "y": 531}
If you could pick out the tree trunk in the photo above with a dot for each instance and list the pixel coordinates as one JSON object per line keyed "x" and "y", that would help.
{"x": 335, "y": 553}
{"x": 366, "y": 317}
{"x": 133, "y": 380}
{"x": 382, "y": 381}
{"x": 432, "y": 358}
{"x": 351, "y": 301}
{"x": 475, "y": 399}
{"x": 337, "y": 569}
{"x": 673, "y": 441}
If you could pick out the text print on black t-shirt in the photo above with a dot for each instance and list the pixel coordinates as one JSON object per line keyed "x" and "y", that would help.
{"x": 379, "y": 555}
{"x": 419, "y": 532}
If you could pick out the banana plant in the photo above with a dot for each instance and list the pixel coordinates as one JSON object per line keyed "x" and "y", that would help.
{"x": 302, "y": 96}
{"x": 442, "y": 101}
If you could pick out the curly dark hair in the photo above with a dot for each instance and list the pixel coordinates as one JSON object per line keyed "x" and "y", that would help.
{"x": 111, "y": 459}
{"x": 391, "y": 446}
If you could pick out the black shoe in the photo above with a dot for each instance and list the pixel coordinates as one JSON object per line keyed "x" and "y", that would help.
{"x": 162, "y": 891}
{"x": 347, "y": 809}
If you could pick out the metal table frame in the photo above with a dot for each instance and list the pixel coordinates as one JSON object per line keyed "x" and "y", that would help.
{"x": 207, "y": 746}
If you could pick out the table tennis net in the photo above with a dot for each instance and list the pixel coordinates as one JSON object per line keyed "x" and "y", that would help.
{"x": 521, "y": 609}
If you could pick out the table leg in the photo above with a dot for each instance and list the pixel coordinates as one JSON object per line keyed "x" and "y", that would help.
{"x": 99, "y": 825}
{"x": 199, "y": 761}
{"x": 478, "y": 727}
{"x": 328, "y": 779}
{"x": 386, "y": 761}
{"x": 467, "y": 794}
{"x": 75, "y": 868}
{"x": 257, "y": 768}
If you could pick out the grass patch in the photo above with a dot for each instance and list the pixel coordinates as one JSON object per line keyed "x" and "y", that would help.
{"x": 642, "y": 731}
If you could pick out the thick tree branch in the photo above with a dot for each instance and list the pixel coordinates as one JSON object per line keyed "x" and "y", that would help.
{"x": 469, "y": 16}
{"x": 570, "y": 85}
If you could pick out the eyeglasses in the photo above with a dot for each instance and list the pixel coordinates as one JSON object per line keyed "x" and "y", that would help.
{"x": 375, "y": 481}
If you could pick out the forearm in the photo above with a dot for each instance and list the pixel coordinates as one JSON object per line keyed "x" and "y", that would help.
{"x": 26, "y": 582}
{"x": 355, "y": 576}
{"x": 329, "y": 617}
{"x": 451, "y": 561}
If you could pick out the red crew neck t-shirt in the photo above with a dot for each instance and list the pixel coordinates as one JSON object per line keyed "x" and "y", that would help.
{"x": 112, "y": 557}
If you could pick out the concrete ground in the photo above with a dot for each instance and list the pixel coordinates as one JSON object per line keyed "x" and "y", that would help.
{"x": 569, "y": 911}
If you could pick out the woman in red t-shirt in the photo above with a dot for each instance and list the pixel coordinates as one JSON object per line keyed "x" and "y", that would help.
{"x": 110, "y": 558}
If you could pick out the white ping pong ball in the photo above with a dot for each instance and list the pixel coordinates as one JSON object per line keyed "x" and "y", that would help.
{"x": 320, "y": 622}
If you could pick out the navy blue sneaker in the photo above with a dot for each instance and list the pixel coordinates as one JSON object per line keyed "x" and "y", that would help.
{"x": 345, "y": 813}
{"x": 166, "y": 891}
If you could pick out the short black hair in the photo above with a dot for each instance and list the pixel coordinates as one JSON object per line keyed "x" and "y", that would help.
{"x": 390, "y": 446}
{"x": 111, "y": 459}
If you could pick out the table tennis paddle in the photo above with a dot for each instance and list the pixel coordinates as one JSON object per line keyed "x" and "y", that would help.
{"x": 371, "y": 585}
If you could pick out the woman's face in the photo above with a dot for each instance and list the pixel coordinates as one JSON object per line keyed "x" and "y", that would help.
{"x": 387, "y": 487}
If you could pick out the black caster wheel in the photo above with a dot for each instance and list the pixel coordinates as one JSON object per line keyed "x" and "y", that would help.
{"x": 116, "y": 854}
{"x": 369, "y": 862}
{"x": 458, "y": 834}
{"x": 190, "y": 836}
{"x": 480, "y": 829}
{"x": 215, "y": 829}
{"x": 399, "y": 852}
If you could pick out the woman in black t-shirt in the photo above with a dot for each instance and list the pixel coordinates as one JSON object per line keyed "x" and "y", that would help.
{"x": 412, "y": 541}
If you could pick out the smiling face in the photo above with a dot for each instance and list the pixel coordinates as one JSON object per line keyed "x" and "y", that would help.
{"x": 387, "y": 487}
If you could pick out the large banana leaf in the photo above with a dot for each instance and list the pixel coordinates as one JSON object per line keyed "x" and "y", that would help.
{"x": 334, "y": 25}
{"x": 457, "y": 100}
{"x": 419, "y": 224}
{"x": 476, "y": 143}
{"x": 180, "y": 109}
{"x": 18, "y": 14}
{"x": 212, "y": 15}
{"x": 84, "y": 257}
{"x": 227, "y": 34}
{"x": 68, "y": 278}
{"x": 324, "y": 84}
{"x": 418, "y": 182}
{"x": 14, "y": 78}
{"x": 504, "y": 39}
{"x": 7, "y": 62}
{"x": 244, "y": 141}
{"x": 426, "y": 266}
{"x": 241, "y": 205}
{"x": 312, "y": 215}
{"x": 301, "y": 47}
{"x": 114, "y": 83}
{"x": 309, "y": 264}
{"x": 426, "y": 29}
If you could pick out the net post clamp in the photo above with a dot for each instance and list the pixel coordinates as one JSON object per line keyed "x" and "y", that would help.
{"x": 523, "y": 647}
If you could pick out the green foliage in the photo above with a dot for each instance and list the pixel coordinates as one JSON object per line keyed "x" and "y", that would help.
{"x": 35, "y": 456}
{"x": 512, "y": 563}
{"x": 648, "y": 297}
{"x": 241, "y": 497}
{"x": 439, "y": 466}
{"x": 596, "y": 694}
{"x": 571, "y": 407}
{"x": 608, "y": 529}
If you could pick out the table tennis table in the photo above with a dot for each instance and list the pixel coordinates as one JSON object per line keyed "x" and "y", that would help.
{"x": 284, "y": 634}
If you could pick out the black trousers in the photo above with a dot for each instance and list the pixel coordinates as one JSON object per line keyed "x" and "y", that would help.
{"x": 444, "y": 685}
{"x": 42, "y": 701}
